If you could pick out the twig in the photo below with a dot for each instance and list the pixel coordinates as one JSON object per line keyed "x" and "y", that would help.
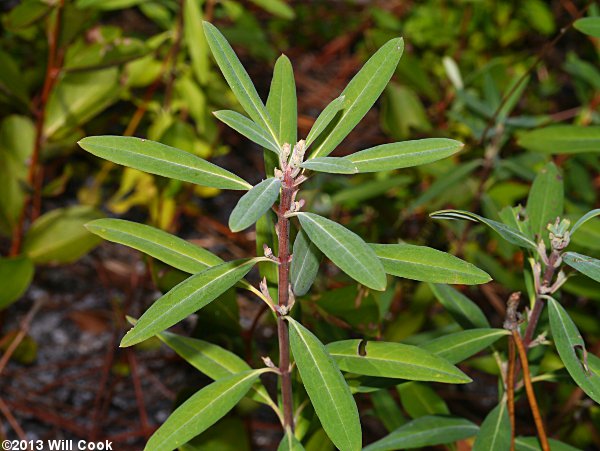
{"x": 23, "y": 329}
{"x": 511, "y": 323}
{"x": 12, "y": 420}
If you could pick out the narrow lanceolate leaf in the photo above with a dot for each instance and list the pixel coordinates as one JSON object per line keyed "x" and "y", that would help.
{"x": 494, "y": 434}
{"x": 161, "y": 245}
{"x": 562, "y": 139}
{"x": 585, "y": 218}
{"x": 210, "y": 359}
{"x": 508, "y": 233}
{"x": 202, "y": 410}
{"x": 325, "y": 119}
{"x": 461, "y": 345}
{"x": 238, "y": 79}
{"x": 427, "y": 265}
{"x": 589, "y": 26}
{"x": 282, "y": 104}
{"x": 584, "y": 264}
{"x": 464, "y": 311}
{"x": 156, "y": 158}
{"x": 290, "y": 443}
{"x": 195, "y": 40}
{"x": 571, "y": 349}
{"x": 326, "y": 388}
{"x": 254, "y": 204}
{"x": 533, "y": 444}
{"x": 545, "y": 200}
{"x": 248, "y": 128}
{"x": 360, "y": 95}
{"x": 426, "y": 431}
{"x": 404, "y": 154}
{"x": 332, "y": 165}
{"x": 186, "y": 298}
{"x": 346, "y": 249}
{"x": 394, "y": 360}
{"x": 305, "y": 264}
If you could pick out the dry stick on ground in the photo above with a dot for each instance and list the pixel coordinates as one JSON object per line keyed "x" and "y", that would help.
{"x": 35, "y": 174}
{"x": 12, "y": 420}
{"x": 512, "y": 324}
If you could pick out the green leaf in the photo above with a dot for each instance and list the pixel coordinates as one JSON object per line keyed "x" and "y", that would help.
{"x": 404, "y": 154}
{"x": 276, "y": 7}
{"x": 282, "y": 104}
{"x": 360, "y": 95}
{"x": 508, "y": 233}
{"x": 195, "y": 40}
{"x": 533, "y": 444}
{"x": 246, "y": 127}
{"x": 59, "y": 236}
{"x": 346, "y": 249}
{"x": 156, "y": 158}
{"x": 290, "y": 443}
{"x": 464, "y": 311}
{"x": 305, "y": 264}
{"x": 238, "y": 79}
{"x": 15, "y": 276}
{"x": 546, "y": 199}
{"x": 427, "y": 265}
{"x": 585, "y": 218}
{"x": 584, "y": 264}
{"x": 494, "y": 434}
{"x": 324, "y": 119}
{"x": 254, "y": 204}
{"x": 420, "y": 400}
{"x": 387, "y": 410}
{"x": 425, "y": 431}
{"x": 202, "y": 410}
{"x": 562, "y": 139}
{"x": 161, "y": 245}
{"x": 26, "y": 14}
{"x": 589, "y": 26}
{"x": 394, "y": 360}
{"x": 332, "y": 165}
{"x": 461, "y": 345}
{"x": 186, "y": 298}
{"x": 569, "y": 342}
{"x": 326, "y": 388}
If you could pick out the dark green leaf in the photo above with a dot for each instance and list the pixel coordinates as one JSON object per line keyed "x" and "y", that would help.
{"x": 427, "y": 265}
{"x": 589, "y": 26}
{"x": 494, "y": 434}
{"x": 254, "y": 204}
{"x": 546, "y": 199}
{"x": 562, "y": 139}
{"x": 161, "y": 245}
{"x": 404, "y": 154}
{"x": 361, "y": 93}
{"x": 326, "y": 388}
{"x": 305, "y": 264}
{"x": 464, "y": 311}
{"x": 249, "y": 129}
{"x": 324, "y": 119}
{"x": 585, "y": 218}
{"x": 459, "y": 346}
{"x": 276, "y": 7}
{"x": 156, "y": 158}
{"x": 346, "y": 249}
{"x": 394, "y": 360}
{"x": 332, "y": 165}
{"x": 584, "y": 264}
{"x": 290, "y": 443}
{"x": 425, "y": 431}
{"x": 16, "y": 274}
{"x": 533, "y": 444}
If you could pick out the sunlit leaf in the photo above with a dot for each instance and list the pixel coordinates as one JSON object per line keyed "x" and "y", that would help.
{"x": 16, "y": 274}
{"x": 508, "y": 233}
{"x": 326, "y": 388}
{"x": 156, "y": 158}
{"x": 186, "y": 298}
{"x": 571, "y": 348}
{"x": 202, "y": 410}
{"x": 425, "y": 431}
{"x": 324, "y": 119}
{"x": 360, "y": 95}
{"x": 427, "y": 265}
{"x": 464, "y": 311}
{"x": 248, "y": 128}
{"x": 346, "y": 249}
{"x": 195, "y": 40}
{"x": 278, "y": 8}
{"x": 305, "y": 264}
{"x": 404, "y": 154}
{"x": 254, "y": 204}
{"x": 332, "y": 165}
{"x": 394, "y": 360}
{"x": 533, "y": 444}
{"x": 161, "y": 245}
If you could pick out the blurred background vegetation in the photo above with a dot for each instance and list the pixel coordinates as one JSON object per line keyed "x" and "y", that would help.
{"x": 484, "y": 72}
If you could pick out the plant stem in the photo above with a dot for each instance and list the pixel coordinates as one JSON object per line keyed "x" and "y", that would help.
{"x": 283, "y": 232}
{"x": 510, "y": 391}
